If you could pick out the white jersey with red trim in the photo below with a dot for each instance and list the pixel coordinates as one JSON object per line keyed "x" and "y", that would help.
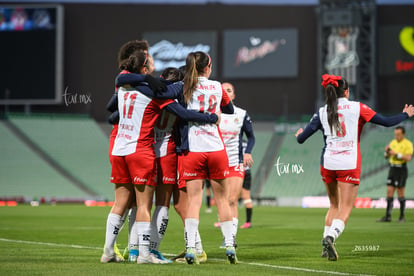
{"x": 137, "y": 116}
{"x": 206, "y": 98}
{"x": 164, "y": 140}
{"x": 341, "y": 151}
{"x": 230, "y": 128}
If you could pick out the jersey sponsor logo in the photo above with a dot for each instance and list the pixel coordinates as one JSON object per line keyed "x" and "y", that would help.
{"x": 165, "y": 179}
{"x": 343, "y": 144}
{"x": 139, "y": 179}
{"x": 189, "y": 174}
{"x": 226, "y": 173}
{"x": 124, "y": 135}
{"x": 350, "y": 178}
{"x": 335, "y": 152}
{"x": 126, "y": 127}
{"x": 344, "y": 107}
{"x": 203, "y": 132}
{"x": 206, "y": 87}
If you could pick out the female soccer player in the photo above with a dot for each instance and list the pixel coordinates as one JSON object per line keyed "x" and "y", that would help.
{"x": 341, "y": 122}
{"x": 204, "y": 155}
{"x": 165, "y": 150}
{"x": 133, "y": 160}
{"x": 232, "y": 128}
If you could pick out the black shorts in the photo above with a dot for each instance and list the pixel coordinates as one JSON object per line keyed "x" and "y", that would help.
{"x": 247, "y": 180}
{"x": 397, "y": 176}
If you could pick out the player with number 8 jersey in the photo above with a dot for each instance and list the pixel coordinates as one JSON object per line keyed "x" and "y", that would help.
{"x": 341, "y": 122}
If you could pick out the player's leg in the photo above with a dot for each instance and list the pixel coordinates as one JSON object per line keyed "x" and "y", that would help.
{"x": 195, "y": 199}
{"x": 144, "y": 195}
{"x": 208, "y": 195}
{"x": 401, "y": 192}
{"x": 221, "y": 195}
{"x": 123, "y": 192}
{"x": 401, "y": 199}
{"x": 235, "y": 185}
{"x": 332, "y": 191}
{"x": 391, "y": 183}
{"x": 347, "y": 194}
{"x": 160, "y": 217}
{"x": 390, "y": 202}
{"x": 331, "y": 184}
{"x": 247, "y": 201}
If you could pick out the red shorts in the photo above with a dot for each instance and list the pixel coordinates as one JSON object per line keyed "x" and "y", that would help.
{"x": 237, "y": 171}
{"x": 167, "y": 169}
{"x": 348, "y": 176}
{"x": 181, "y": 181}
{"x": 202, "y": 165}
{"x": 136, "y": 168}
{"x": 112, "y": 137}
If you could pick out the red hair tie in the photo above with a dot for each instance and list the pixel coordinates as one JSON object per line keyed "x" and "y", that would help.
{"x": 330, "y": 79}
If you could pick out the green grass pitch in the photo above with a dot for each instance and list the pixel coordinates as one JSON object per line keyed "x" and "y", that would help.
{"x": 68, "y": 240}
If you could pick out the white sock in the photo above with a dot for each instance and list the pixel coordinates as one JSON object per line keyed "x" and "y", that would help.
{"x": 198, "y": 243}
{"x": 336, "y": 228}
{"x": 235, "y": 226}
{"x": 144, "y": 237}
{"x": 227, "y": 231}
{"x": 325, "y": 231}
{"x": 123, "y": 219}
{"x": 191, "y": 228}
{"x": 159, "y": 225}
{"x": 133, "y": 237}
{"x": 185, "y": 237}
{"x": 132, "y": 214}
{"x": 113, "y": 225}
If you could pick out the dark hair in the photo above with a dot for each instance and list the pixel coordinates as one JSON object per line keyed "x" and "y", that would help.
{"x": 332, "y": 94}
{"x": 172, "y": 74}
{"x": 182, "y": 69}
{"x": 134, "y": 62}
{"x": 130, "y": 47}
{"x": 401, "y": 128}
{"x": 195, "y": 64}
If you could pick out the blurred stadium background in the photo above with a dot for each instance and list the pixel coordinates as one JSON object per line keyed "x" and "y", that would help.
{"x": 57, "y": 72}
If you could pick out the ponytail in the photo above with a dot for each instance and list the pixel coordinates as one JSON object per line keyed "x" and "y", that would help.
{"x": 190, "y": 78}
{"x": 332, "y": 108}
{"x": 195, "y": 65}
{"x": 335, "y": 87}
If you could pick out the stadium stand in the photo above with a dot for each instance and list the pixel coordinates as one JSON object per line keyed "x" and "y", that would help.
{"x": 76, "y": 145}
{"x": 287, "y": 179}
{"x": 374, "y": 170}
{"x": 24, "y": 174}
{"x": 64, "y": 156}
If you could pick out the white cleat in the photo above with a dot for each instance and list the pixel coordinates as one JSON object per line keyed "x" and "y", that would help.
{"x": 111, "y": 259}
{"x": 151, "y": 259}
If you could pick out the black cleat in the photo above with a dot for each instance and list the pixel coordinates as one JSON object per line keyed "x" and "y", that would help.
{"x": 328, "y": 245}
{"x": 384, "y": 219}
{"x": 324, "y": 253}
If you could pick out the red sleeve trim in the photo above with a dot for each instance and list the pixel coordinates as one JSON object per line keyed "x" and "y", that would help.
{"x": 365, "y": 112}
